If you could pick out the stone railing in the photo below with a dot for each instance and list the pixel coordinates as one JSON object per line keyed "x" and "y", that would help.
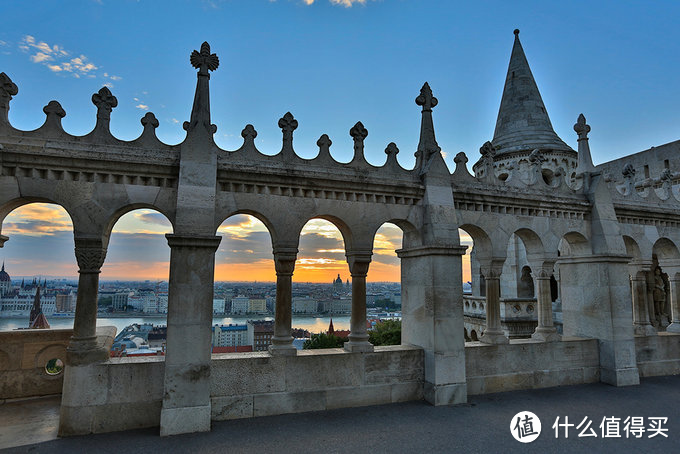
{"x": 32, "y": 362}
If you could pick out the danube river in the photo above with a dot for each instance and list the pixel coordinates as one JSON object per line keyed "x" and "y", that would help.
{"x": 312, "y": 324}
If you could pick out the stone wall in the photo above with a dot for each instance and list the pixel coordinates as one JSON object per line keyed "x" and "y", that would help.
{"x": 128, "y": 392}
{"x": 527, "y": 364}
{"x": 23, "y": 357}
{"x": 658, "y": 355}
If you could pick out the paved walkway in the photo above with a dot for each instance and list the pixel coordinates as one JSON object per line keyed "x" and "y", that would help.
{"x": 483, "y": 425}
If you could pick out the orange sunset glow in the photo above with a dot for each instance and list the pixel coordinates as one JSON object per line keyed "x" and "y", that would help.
{"x": 41, "y": 244}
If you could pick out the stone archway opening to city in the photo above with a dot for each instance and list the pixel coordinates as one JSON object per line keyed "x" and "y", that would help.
{"x": 245, "y": 286}
{"x": 133, "y": 284}
{"x": 39, "y": 268}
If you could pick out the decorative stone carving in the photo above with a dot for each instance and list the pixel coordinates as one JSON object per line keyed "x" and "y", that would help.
{"x": 628, "y": 171}
{"x": 204, "y": 61}
{"x": 288, "y": 124}
{"x": 249, "y": 133}
{"x": 659, "y": 295}
{"x": 425, "y": 98}
{"x": 536, "y": 157}
{"x": 90, "y": 255}
{"x": 54, "y": 113}
{"x": 358, "y": 133}
{"x": 7, "y": 90}
{"x": 105, "y": 102}
{"x": 581, "y": 128}
{"x": 149, "y": 121}
{"x": 460, "y": 158}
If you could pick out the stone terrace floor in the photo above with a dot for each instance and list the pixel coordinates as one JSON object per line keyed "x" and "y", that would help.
{"x": 482, "y": 425}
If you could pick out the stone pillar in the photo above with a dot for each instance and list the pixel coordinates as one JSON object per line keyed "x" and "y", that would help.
{"x": 432, "y": 318}
{"x": 358, "y": 335}
{"x": 674, "y": 281}
{"x": 90, "y": 254}
{"x": 638, "y": 278}
{"x": 282, "y": 342}
{"x": 186, "y": 402}
{"x": 546, "y": 330}
{"x": 649, "y": 276}
{"x": 596, "y": 304}
{"x": 493, "y": 334}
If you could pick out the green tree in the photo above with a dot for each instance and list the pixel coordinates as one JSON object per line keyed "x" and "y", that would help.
{"x": 387, "y": 332}
{"x": 323, "y": 340}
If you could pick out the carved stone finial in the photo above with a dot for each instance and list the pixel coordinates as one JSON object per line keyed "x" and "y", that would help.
{"x": 461, "y": 158}
{"x": 516, "y": 31}
{"x": 149, "y": 120}
{"x": 7, "y": 88}
{"x": 324, "y": 142}
{"x": 425, "y": 99}
{"x": 628, "y": 171}
{"x": 54, "y": 108}
{"x": 487, "y": 150}
{"x": 105, "y": 102}
{"x": 288, "y": 124}
{"x": 581, "y": 128}
{"x": 392, "y": 149}
{"x": 358, "y": 132}
{"x": 249, "y": 132}
{"x": 204, "y": 61}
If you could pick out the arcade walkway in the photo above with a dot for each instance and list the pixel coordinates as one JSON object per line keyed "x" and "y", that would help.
{"x": 483, "y": 425}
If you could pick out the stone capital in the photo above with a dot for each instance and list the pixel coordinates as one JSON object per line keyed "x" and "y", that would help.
{"x": 359, "y": 262}
{"x": 422, "y": 251}
{"x": 90, "y": 254}
{"x": 186, "y": 241}
{"x": 284, "y": 261}
{"x": 492, "y": 269}
{"x": 3, "y": 238}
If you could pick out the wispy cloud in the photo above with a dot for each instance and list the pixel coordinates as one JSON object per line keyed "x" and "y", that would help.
{"x": 142, "y": 106}
{"x": 345, "y": 3}
{"x": 58, "y": 60}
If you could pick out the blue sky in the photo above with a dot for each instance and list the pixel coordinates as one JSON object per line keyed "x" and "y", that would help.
{"x": 331, "y": 63}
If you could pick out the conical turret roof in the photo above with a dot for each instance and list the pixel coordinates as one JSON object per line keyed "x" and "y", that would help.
{"x": 523, "y": 122}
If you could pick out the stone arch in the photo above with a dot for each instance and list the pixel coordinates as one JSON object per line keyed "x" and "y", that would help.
{"x": 257, "y": 215}
{"x": 122, "y": 211}
{"x": 632, "y": 247}
{"x": 574, "y": 243}
{"x": 665, "y": 249}
{"x": 341, "y": 225}
{"x": 386, "y": 256}
{"x": 473, "y": 336}
{"x": 243, "y": 239}
{"x": 482, "y": 250}
{"x": 411, "y": 235}
{"x": 11, "y": 205}
{"x": 532, "y": 242}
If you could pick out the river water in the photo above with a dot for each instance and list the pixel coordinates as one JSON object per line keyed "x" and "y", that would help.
{"x": 312, "y": 324}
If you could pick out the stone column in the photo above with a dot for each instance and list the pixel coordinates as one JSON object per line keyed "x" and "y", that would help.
{"x": 90, "y": 254}
{"x": 186, "y": 402}
{"x": 358, "y": 335}
{"x": 674, "y": 281}
{"x": 545, "y": 331}
{"x": 282, "y": 342}
{"x": 638, "y": 278}
{"x": 432, "y": 318}
{"x": 493, "y": 334}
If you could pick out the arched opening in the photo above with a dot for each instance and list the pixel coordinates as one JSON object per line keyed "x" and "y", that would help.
{"x": 38, "y": 257}
{"x": 525, "y": 286}
{"x": 665, "y": 255}
{"x": 322, "y": 289}
{"x": 133, "y": 284}
{"x": 244, "y": 300}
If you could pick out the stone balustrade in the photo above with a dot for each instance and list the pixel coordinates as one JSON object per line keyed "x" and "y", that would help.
{"x": 28, "y": 362}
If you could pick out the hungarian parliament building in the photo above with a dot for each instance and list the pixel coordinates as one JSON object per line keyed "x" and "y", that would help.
{"x": 17, "y": 301}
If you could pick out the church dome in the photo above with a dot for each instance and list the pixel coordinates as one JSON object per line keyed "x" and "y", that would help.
{"x": 4, "y": 277}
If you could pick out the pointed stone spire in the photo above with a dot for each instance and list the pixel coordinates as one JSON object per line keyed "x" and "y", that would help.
{"x": 204, "y": 61}
{"x": 585, "y": 161}
{"x": 523, "y": 122}
{"x": 427, "y": 146}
